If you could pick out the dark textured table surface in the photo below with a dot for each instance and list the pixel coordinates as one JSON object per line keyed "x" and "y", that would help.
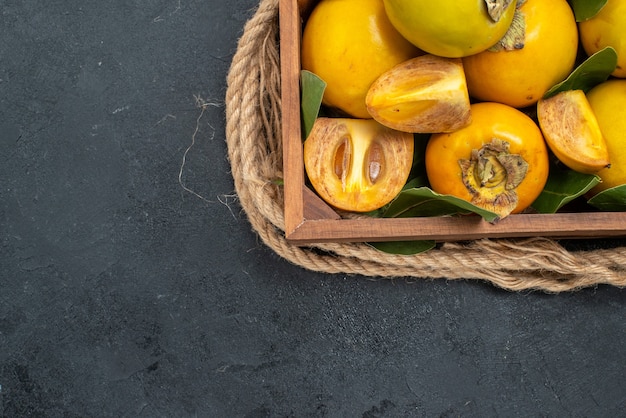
{"x": 132, "y": 288}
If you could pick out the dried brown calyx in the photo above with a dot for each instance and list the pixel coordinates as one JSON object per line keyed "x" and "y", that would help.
{"x": 496, "y": 8}
{"x": 492, "y": 174}
{"x": 515, "y": 37}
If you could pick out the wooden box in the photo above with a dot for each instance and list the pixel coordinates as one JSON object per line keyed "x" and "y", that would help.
{"x": 308, "y": 219}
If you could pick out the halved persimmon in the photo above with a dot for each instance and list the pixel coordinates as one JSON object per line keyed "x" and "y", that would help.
{"x": 357, "y": 165}
{"x": 426, "y": 94}
{"x": 572, "y": 132}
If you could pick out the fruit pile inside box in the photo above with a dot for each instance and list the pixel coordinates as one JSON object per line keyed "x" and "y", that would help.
{"x": 480, "y": 109}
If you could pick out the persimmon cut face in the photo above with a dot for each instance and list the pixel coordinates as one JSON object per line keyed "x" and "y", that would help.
{"x": 426, "y": 94}
{"x": 357, "y": 165}
{"x": 571, "y": 130}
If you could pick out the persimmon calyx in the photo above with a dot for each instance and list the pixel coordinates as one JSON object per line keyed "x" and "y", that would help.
{"x": 492, "y": 174}
{"x": 496, "y": 8}
{"x": 515, "y": 36}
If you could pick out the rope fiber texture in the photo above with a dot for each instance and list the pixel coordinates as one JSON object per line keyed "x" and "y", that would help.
{"x": 253, "y": 136}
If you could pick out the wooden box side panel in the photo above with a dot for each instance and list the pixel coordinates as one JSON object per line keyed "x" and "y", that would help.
{"x": 462, "y": 228}
{"x": 290, "y": 27}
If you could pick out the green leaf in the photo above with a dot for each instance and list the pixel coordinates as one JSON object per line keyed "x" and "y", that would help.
{"x": 313, "y": 89}
{"x": 593, "y": 71}
{"x": 422, "y": 201}
{"x": 403, "y": 247}
{"x": 610, "y": 200}
{"x": 563, "y": 186}
{"x": 586, "y": 9}
{"x": 416, "y": 182}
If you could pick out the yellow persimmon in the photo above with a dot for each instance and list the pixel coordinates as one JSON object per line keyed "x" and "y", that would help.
{"x": 608, "y": 102}
{"x": 520, "y": 76}
{"x": 498, "y": 162}
{"x": 451, "y": 28}
{"x": 607, "y": 28}
{"x": 350, "y": 43}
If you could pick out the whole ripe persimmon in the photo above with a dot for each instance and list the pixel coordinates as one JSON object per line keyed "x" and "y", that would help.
{"x": 498, "y": 162}
{"x": 451, "y": 28}
{"x": 349, "y": 44}
{"x": 607, "y": 28}
{"x": 608, "y": 102}
{"x": 520, "y": 77}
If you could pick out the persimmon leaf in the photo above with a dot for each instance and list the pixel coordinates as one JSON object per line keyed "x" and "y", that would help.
{"x": 611, "y": 200}
{"x": 563, "y": 186}
{"x": 313, "y": 88}
{"x": 586, "y": 9}
{"x": 403, "y": 247}
{"x": 591, "y": 72}
{"x": 422, "y": 201}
